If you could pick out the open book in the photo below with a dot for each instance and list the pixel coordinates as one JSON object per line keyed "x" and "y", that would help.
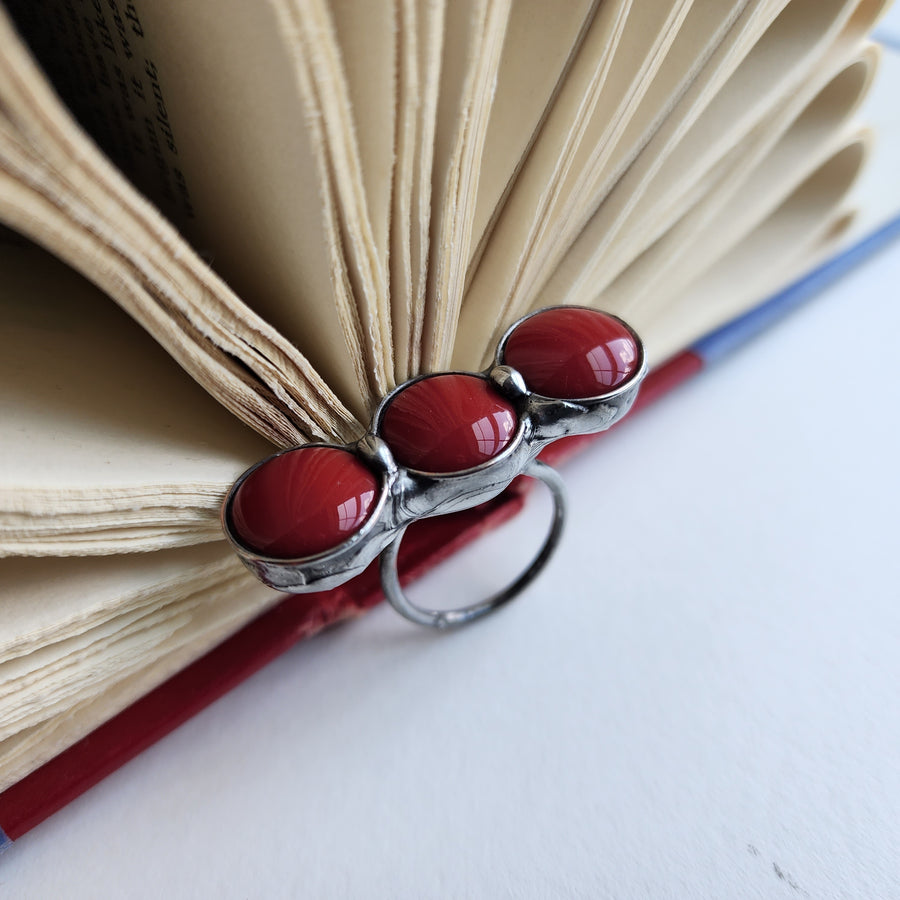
{"x": 231, "y": 226}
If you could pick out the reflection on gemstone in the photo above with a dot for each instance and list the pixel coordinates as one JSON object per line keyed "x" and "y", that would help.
{"x": 608, "y": 360}
{"x": 352, "y": 513}
{"x": 492, "y": 433}
{"x": 448, "y": 423}
{"x": 572, "y": 353}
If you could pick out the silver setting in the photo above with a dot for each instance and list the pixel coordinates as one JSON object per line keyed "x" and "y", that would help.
{"x": 408, "y": 494}
{"x": 552, "y": 419}
{"x": 332, "y": 567}
{"x": 423, "y": 494}
{"x": 453, "y": 618}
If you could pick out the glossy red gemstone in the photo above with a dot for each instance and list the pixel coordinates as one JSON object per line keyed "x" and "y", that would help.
{"x": 448, "y": 423}
{"x": 303, "y": 502}
{"x": 571, "y": 353}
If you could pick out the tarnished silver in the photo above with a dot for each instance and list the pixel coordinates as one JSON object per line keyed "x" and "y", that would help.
{"x": 452, "y": 618}
{"x": 333, "y": 567}
{"x": 406, "y": 494}
{"x": 552, "y": 419}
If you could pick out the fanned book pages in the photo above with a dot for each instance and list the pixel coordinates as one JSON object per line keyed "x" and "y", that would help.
{"x": 231, "y": 227}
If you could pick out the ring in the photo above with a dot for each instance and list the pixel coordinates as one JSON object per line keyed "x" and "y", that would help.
{"x": 314, "y": 516}
{"x": 390, "y": 581}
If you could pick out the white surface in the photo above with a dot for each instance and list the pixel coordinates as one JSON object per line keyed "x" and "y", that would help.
{"x": 700, "y": 694}
{"x": 699, "y": 699}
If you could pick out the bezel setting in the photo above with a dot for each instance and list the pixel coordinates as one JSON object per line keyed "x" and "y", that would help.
{"x": 406, "y": 494}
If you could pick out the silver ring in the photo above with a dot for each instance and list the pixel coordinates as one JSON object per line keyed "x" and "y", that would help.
{"x": 312, "y": 517}
{"x": 452, "y": 618}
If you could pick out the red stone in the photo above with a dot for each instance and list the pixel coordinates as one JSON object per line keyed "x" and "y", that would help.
{"x": 303, "y": 502}
{"x": 572, "y": 353}
{"x": 448, "y": 423}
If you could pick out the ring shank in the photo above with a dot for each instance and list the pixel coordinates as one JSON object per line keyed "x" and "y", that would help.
{"x": 434, "y": 618}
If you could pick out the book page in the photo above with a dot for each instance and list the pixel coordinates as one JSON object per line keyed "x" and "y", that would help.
{"x": 649, "y": 35}
{"x": 765, "y": 171}
{"x": 788, "y": 239}
{"x": 721, "y": 127}
{"x": 51, "y": 600}
{"x": 367, "y": 36}
{"x": 709, "y": 47}
{"x": 236, "y": 102}
{"x": 418, "y": 79}
{"x": 658, "y": 54}
{"x": 210, "y": 79}
{"x": 532, "y": 70}
{"x": 56, "y": 188}
{"x": 873, "y": 201}
{"x": 358, "y": 272}
{"x": 231, "y": 604}
{"x": 422, "y": 41}
{"x": 655, "y": 89}
{"x": 473, "y": 41}
{"x": 490, "y": 286}
{"x": 683, "y": 91}
{"x": 75, "y": 627}
{"x": 105, "y": 444}
{"x": 704, "y": 126}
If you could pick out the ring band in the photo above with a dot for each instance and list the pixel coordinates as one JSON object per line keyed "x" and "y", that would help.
{"x": 452, "y": 618}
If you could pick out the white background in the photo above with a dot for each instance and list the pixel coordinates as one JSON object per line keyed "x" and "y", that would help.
{"x": 699, "y": 698}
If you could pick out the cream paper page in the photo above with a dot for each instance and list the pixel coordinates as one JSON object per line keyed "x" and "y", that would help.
{"x": 728, "y": 120}
{"x": 709, "y": 27}
{"x": 75, "y": 628}
{"x": 368, "y": 37}
{"x": 420, "y": 32}
{"x": 784, "y": 55}
{"x": 738, "y": 282}
{"x": 241, "y": 117}
{"x": 779, "y": 163}
{"x": 359, "y": 274}
{"x": 650, "y": 33}
{"x": 105, "y": 444}
{"x": 793, "y": 238}
{"x": 231, "y": 604}
{"x": 420, "y": 84}
{"x": 56, "y": 188}
{"x": 708, "y": 48}
{"x": 547, "y": 164}
{"x": 473, "y": 41}
{"x": 661, "y": 82}
{"x": 532, "y": 70}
